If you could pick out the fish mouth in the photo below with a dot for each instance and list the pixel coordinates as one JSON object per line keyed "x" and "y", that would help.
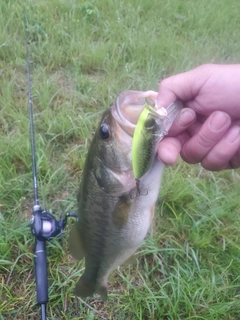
{"x": 128, "y": 106}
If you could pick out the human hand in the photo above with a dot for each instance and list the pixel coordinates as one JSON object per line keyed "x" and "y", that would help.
{"x": 207, "y": 130}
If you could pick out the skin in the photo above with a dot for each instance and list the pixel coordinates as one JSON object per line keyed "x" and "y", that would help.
{"x": 207, "y": 129}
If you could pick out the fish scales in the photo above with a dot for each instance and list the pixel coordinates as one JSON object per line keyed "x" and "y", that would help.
{"x": 113, "y": 218}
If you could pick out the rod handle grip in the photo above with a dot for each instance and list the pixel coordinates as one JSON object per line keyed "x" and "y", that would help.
{"x": 40, "y": 261}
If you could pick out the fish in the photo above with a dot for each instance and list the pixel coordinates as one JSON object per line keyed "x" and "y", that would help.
{"x": 113, "y": 218}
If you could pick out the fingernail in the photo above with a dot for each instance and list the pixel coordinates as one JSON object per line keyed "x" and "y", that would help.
{"x": 233, "y": 134}
{"x": 218, "y": 121}
{"x": 186, "y": 117}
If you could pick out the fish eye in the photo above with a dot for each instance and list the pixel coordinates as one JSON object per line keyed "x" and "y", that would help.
{"x": 104, "y": 131}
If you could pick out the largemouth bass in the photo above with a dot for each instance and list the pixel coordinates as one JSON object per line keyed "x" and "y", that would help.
{"x": 113, "y": 217}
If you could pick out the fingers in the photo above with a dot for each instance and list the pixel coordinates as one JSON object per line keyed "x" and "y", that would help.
{"x": 235, "y": 161}
{"x": 215, "y": 143}
{"x": 212, "y": 141}
{"x": 185, "y": 118}
{"x": 170, "y": 147}
{"x": 210, "y": 133}
{"x": 222, "y": 154}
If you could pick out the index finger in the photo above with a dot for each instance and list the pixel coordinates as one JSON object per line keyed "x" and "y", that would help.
{"x": 185, "y": 118}
{"x": 170, "y": 147}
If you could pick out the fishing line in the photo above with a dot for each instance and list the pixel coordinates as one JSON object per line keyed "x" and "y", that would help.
{"x": 44, "y": 225}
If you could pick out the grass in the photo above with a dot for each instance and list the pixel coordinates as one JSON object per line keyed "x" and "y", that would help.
{"x": 83, "y": 53}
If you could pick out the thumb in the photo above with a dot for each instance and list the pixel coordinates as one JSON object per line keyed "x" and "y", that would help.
{"x": 166, "y": 94}
{"x": 181, "y": 86}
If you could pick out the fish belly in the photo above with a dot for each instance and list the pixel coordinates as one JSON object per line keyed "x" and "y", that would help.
{"x": 111, "y": 229}
{"x": 123, "y": 243}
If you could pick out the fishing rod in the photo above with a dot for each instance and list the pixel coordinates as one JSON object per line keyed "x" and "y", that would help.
{"x": 44, "y": 226}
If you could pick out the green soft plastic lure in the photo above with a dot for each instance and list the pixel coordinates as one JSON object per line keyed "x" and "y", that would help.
{"x": 153, "y": 124}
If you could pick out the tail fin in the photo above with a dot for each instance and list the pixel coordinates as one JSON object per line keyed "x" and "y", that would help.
{"x": 85, "y": 288}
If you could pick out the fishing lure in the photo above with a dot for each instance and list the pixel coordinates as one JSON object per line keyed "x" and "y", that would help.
{"x": 153, "y": 125}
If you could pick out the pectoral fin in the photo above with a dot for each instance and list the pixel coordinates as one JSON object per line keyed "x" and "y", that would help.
{"x": 75, "y": 244}
{"x": 121, "y": 212}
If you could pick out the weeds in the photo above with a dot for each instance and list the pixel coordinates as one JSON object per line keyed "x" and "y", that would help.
{"x": 83, "y": 53}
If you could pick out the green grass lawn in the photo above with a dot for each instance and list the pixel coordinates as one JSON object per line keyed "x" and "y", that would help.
{"x": 83, "y": 53}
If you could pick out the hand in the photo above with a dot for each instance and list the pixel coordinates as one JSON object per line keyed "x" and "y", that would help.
{"x": 207, "y": 130}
